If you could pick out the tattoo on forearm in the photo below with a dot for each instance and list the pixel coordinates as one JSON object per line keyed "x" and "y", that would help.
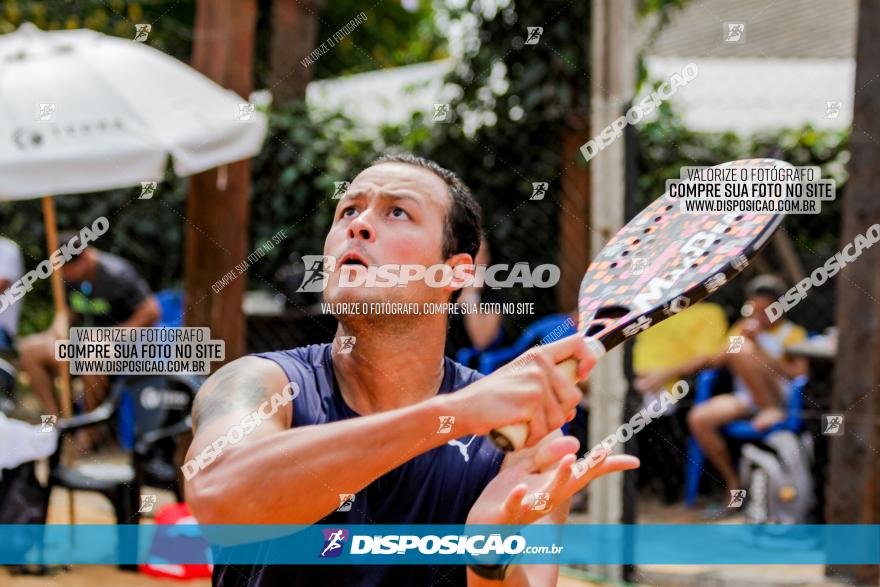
{"x": 228, "y": 392}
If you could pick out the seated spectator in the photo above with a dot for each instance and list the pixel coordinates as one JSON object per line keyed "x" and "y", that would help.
{"x": 11, "y": 270}
{"x": 755, "y": 355}
{"x": 696, "y": 332}
{"x": 477, "y": 329}
{"x": 102, "y": 290}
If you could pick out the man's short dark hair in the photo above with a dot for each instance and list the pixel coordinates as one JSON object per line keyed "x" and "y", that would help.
{"x": 462, "y": 231}
{"x": 65, "y": 236}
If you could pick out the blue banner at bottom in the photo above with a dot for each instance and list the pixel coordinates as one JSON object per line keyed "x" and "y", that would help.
{"x": 434, "y": 544}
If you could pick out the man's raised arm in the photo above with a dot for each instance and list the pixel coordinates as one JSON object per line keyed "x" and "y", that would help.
{"x": 246, "y": 465}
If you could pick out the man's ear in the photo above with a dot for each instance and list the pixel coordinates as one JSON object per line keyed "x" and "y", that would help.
{"x": 463, "y": 271}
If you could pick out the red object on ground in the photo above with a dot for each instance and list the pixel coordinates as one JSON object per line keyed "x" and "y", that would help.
{"x": 170, "y": 539}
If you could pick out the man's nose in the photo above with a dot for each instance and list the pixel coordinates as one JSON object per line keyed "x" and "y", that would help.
{"x": 361, "y": 229}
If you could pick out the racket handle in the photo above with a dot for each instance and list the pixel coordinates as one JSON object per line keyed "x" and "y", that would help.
{"x": 513, "y": 436}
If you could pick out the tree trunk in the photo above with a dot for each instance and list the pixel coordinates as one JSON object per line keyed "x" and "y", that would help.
{"x": 612, "y": 74}
{"x": 217, "y": 205}
{"x": 294, "y": 35}
{"x": 574, "y": 214}
{"x": 854, "y": 480}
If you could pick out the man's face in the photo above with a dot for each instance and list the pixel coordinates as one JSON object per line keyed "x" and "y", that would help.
{"x": 392, "y": 213}
{"x": 76, "y": 270}
{"x": 759, "y": 304}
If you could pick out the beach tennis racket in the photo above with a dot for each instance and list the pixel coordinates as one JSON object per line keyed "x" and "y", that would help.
{"x": 656, "y": 266}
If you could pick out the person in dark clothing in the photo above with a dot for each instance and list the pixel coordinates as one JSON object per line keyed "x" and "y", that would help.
{"x": 382, "y": 428}
{"x": 102, "y": 290}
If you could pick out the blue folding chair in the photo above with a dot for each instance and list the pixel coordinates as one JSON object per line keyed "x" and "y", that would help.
{"x": 560, "y": 324}
{"x": 171, "y": 306}
{"x": 467, "y": 355}
{"x": 739, "y": 429}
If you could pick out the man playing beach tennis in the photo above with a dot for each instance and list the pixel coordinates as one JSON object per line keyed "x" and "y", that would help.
{"x": 382, "y": 428}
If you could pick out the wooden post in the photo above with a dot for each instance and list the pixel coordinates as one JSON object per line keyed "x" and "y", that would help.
{"x": 294, "y": 35}
{"x": 217, "y": 204}
{"x": 854, "y": 476}
{"x": 613, "y": 71}
{"x": 574, "y": 214}
{"x": 60, "y": 302}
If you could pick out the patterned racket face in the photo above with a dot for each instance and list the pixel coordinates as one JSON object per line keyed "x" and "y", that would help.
{"x": 664, "y": 260}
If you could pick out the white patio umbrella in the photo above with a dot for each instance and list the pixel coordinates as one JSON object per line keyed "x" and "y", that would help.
{"x": 85, "y": 112}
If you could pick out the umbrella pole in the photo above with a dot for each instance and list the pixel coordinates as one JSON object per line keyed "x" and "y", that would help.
{"x": 60, "y": 311}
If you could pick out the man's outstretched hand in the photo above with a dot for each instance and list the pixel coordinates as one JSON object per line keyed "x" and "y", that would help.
{"x": 548, "y": 469}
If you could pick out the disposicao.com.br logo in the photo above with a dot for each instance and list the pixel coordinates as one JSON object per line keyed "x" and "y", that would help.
{"x": 358, "y": 274}
{"x": 451, "y": 544}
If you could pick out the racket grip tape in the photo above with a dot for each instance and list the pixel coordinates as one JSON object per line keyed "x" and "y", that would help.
{"x": 513, "y": 436}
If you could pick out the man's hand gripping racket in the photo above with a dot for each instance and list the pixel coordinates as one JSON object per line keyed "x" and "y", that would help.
{"x": 662, "y": 261}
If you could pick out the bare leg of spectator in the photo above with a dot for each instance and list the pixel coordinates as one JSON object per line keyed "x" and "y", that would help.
{"x": 751, "y": 366}
{"x": 95, "y": 390}
{"x": 705, "y": 420}
{"x": 38, "y": 361}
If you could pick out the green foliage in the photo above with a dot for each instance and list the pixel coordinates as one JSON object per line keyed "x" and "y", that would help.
{"x": 294, "y": 179}
{"x": 171, "y": 20}
{"x": 516, "y": 99}
{"x": 149, "y": 233}
{"x": 390, "y": 37}
{"x": 665, "y": 145}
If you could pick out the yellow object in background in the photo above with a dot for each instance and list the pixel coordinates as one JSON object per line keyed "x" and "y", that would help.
{"x": 698, "y": 331}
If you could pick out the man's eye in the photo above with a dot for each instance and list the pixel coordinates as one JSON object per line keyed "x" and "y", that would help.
{"x": 349, "y": 211}
{"x": 398, "y": 212}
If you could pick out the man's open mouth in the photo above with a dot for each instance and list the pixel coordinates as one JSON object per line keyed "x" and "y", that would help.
{"x": 353, "y": 259}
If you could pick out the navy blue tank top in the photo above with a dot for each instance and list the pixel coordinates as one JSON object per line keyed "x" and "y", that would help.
{"x": 436, "y": 487}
